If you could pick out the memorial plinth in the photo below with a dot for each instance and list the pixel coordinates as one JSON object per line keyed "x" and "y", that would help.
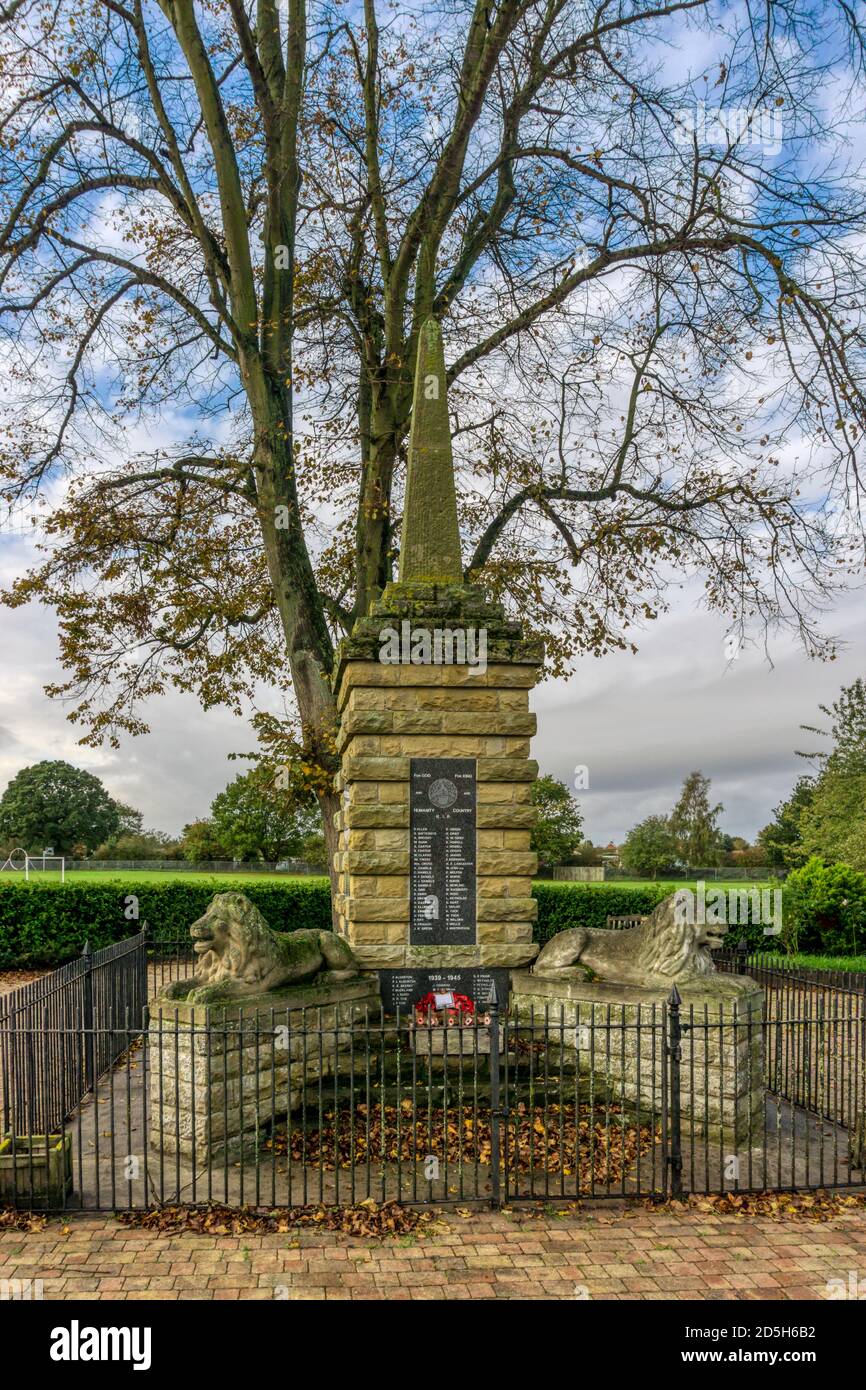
{"x": 434, "y": 860}
{"x": 624, "y": 1045}
{"x": 435, "y": 866}
{"x": 221, "y": 1073}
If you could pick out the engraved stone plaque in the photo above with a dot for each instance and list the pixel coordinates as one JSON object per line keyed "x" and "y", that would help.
{"x": 442, "y": 852}
{"x": 401, "y": 989}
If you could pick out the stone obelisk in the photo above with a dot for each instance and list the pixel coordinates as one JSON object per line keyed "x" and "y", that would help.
{"x": 430, "y": 547}
{"x": 434, "y": 863}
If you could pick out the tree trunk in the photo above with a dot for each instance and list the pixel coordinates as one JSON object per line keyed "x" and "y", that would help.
{"x": 308, "y": 641}
{"x": 383, "y": 408}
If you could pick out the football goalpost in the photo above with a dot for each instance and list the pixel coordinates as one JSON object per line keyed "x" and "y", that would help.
{"x": 46, "y": 862}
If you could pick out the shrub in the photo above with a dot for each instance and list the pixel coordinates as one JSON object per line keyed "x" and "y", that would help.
{"x": 45, "y": 924}
{"x": 824, "y": 908}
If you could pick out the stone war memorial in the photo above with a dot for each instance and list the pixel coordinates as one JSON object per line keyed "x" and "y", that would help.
{"x": 435, "y": 866}
{"x": 435, "y": 861}
{"x": 434, "y": 913}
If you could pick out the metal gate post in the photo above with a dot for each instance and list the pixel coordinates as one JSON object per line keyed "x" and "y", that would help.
{"x": 87, "y": 981}
{"x": 141, "y": 997}
{"x": 495, "y": 1109}
{"x": 675, "y": 1138}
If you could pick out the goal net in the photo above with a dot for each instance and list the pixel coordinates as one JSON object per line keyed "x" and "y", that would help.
{"x": 45, "y": 865}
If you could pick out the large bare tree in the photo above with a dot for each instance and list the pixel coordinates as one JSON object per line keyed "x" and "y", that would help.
{"x": 227, "y": 221}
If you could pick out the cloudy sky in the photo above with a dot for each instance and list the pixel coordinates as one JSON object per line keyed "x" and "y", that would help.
{"x": 638, "y": 723}
{"x": 641, "y": 723}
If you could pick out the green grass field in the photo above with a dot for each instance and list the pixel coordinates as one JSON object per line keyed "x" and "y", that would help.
{"x": 856, "y": 964}
{"x": 673, "y": 884}
{"x": 38, "y": 876}
{"x": 194, "y": 876}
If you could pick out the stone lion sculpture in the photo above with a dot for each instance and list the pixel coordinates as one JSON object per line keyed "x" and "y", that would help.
{"x": 666, "y": 949}
{"x": 240, "y": 956}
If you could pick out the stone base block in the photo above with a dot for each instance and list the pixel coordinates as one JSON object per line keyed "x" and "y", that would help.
{"x": 619, "y": 1034}
{"x": 495, "y": 954}
{"x": 35, "y": 1170}
{"x": 464, "y": 1044}
{"x": 220, "y": 1073}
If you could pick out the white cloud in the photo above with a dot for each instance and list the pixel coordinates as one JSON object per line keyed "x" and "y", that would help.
{"x": 641, "y": 723}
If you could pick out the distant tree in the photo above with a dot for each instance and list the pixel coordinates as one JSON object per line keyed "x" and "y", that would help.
{"x": 739, "y": 854}
{"x": 557, "y": 829}
{"x": 694, "y": 823}
{"x": 650, "y": 847}
{"x": 825, "y": 815}
{"x": 200, "y": 843}
{"x": 144, "y": 844}
{"x": 314, "y": 851}
{"x": 833, "y": 825}
{"x": 847, "y": 731}
{"x": 131, "y": 821}
{"x": 54, "y": 803}
{"x": 587, "y": 853}
{"x": 256, "y": 819}
{"x": 752, "y": 857}
{"x": 780, "y": 839}
{"x": 132, "y": 841}
{"x": 733, "y": 844}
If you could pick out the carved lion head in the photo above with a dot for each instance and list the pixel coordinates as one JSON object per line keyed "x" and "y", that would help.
{"x": 231, "y": 936}
{"x": 674, "y": 946}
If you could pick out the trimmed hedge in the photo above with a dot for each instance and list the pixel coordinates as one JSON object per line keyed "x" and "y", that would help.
{"x": 563, "y": 905}
{"x": 46, "y": 924}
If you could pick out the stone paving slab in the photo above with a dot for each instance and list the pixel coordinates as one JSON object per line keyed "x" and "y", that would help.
{"x": 610, "y": 1253}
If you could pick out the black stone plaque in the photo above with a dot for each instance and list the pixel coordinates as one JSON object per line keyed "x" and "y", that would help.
{"x": 442, "y": 852}
{"x": 403, "y": 988}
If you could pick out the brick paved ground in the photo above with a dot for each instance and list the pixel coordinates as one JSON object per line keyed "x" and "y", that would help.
{"x": 609, "y": 1253}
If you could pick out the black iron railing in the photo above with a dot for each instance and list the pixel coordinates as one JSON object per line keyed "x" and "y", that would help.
{"x": 778, "y": 971}
{"x": 60, "y": 1033}
{"x": 815, "y": 1023}
{"x": 170, "y": 958}
{"x": 573, "y": 1103}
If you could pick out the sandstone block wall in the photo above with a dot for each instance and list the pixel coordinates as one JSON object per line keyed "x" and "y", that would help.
{"x": 622, "y": 1043}
{"x": 390, "y": 714}
{"x": 219, "y": 1075}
